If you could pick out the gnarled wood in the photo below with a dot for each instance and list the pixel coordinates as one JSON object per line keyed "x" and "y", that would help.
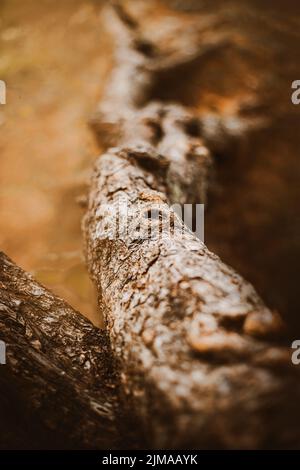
{"x": 201, "y": 358}
{"x": 198, "y": 351}
{"x": 224, "y": 62}
{"x": 57, "y": 388}
{"x": 190, "y": 334}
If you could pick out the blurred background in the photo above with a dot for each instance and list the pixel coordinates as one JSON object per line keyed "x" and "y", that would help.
{"x": 54, "y": 59}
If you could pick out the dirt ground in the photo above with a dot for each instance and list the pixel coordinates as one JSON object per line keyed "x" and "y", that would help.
{"x": 53, "y": 60}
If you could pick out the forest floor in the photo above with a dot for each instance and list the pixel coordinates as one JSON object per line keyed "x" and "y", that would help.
{"x": 53, "y": 60}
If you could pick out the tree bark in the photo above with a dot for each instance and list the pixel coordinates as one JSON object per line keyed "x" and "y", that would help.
{"x": 224, "y": 62}
{"x": 57, "y": 388}
{"x": 198, "y": 351}
{"x": 203, "y": 362}
{"x": 191, "y": 336}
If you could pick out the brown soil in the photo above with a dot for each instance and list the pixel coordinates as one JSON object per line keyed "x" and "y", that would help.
{"x": 53, "y": 59}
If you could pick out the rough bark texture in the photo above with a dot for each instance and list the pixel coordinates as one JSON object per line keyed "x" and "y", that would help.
{"x": 57, "y": 389}
{"x": 231, "y": 64}
{"x": 202, "y": 360}
{"x": 183, "y": 324}
{"x": 198, "y": 350}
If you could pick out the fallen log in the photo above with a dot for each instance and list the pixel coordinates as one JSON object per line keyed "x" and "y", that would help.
{"x": 200, "y": 355}
{"x": 190, "y": 335}
{"x": 223, "y": 63}
{"x": 57, "y": 388}
{"x": 198, "y": 351}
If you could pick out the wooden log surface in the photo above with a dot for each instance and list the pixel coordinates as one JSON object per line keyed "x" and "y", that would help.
{"x": 200, "y": 355}
{"x": 57, "y": 387}
{"x": 203, "y": 362}
{"x": 191, "y": 336}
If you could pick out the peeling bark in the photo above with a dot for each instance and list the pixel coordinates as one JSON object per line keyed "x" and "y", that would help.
{"x": 57, "y": 388}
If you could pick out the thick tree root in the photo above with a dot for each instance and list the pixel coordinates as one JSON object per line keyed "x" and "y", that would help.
{"x": 191, "y": 336}
{"x": 199, "y": 353}
{"x": 57, "y": 388}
